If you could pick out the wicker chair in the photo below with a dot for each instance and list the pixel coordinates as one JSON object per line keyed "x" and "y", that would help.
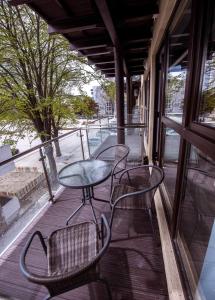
{"x": 73, "y": 253}
{"x": 135, "y": 190}
{"x": 118, "y": 154}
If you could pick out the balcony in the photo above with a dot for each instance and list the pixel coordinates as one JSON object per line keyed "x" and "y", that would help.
{"x": 139, "y": 275}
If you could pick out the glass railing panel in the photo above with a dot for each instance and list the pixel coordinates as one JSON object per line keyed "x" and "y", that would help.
{"x": 100, "y": 138}
{"x": 95, "y": 137}
{"x": 61, "y": 152}
{"x": 23, "y": 193}
{"x": 134, "y": 140}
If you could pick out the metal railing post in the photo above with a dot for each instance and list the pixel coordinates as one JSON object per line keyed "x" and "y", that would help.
{"x": 42, "y": 159}
{"x": 88, "y": 141}
{"x": 82, "y": 146}
{"x": 100, "y": 129}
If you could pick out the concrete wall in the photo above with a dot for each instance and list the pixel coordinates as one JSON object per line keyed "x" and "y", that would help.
{"x": 5, "y": 153}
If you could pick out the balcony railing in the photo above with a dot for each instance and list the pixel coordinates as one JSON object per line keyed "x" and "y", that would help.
{"x": 29, "y": 180}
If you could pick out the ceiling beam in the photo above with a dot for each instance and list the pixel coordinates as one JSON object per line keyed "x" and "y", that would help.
{"x": 132, "y": 41}
{"x": 106, "y": 69}
{"x": 19, "y": 2}
{"x": 90, "y": 43}
{"x": 62, "y": 29}
{"x": 137, "y": 19}
{"x": 136, "y": 58}
{"x": 74, "y": 24}
{"x": 109, "y": 24}
{"x": 103, "y": 62}
{"x": 107, "y": 19}
{"x": 104, "y": 52}
{"x": 136, "y": 66}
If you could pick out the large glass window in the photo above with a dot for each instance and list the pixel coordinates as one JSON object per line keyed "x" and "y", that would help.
{"x": 147, "y": 99}
{"x": 206, "y": 114}
{"x": 177, "y": 66}
{"x": 197, "y": 227}
{"x": 170, "y": 163}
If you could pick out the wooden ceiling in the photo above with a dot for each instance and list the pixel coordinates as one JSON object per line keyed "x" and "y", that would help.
{"x": 95, "y": 27}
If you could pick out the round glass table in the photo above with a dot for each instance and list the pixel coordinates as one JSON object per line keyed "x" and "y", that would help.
{"x": 85, "y": 174}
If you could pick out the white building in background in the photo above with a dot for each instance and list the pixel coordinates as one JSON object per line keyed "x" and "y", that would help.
{"x": 105, "y": 104}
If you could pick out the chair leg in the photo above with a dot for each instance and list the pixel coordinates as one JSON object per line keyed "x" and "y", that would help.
{"x": 111, "y": 185}
{"x": 153, "y": 229}
{"x": 151, "y": 221}
{"x": 104, "y": 281}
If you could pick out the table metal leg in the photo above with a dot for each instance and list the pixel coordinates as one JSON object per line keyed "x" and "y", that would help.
{"x": 97, "y": 199}
{"x": 72, "y": 215}
{"x": 93, "y": 211}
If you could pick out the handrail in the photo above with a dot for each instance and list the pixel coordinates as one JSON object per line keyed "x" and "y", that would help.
{"x": 37, "y": 147}
{"x": 71, "y": 130}
{"x": 111, "y": 127}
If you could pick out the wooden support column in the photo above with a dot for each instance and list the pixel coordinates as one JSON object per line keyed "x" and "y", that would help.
{"x": 119, "y": 95}
{"x": 128, "y": 92}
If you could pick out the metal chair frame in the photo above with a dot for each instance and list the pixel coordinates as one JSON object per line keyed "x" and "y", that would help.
{"x": 116, "y": 163}
{"x": 59, "y": 284}
{"x": 113, "y": 205}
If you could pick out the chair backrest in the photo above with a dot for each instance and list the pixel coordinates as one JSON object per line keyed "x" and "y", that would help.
{"x": 140, "y": 184}
{"x": 117, "y": 153}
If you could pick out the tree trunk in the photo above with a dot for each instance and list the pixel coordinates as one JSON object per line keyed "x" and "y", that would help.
{"x": 57, "y": 148}
{"x": 48, "y": 151}
{"x": 56, "y": 142}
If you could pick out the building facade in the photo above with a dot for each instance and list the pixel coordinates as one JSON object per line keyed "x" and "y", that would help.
{"x": 106, "y": 105}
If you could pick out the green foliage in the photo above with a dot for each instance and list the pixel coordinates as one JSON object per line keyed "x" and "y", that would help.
{"x": 208, "y": 101}
{"x": 110, "y": 89}
{"x": 174, "y": 86}
{"x": 84, "y": 106}
{"x": 12, "y": 144}
{"x": 38, "y": 73}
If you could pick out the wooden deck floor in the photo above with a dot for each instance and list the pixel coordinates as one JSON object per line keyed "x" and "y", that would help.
{"x": 133, "y": 264}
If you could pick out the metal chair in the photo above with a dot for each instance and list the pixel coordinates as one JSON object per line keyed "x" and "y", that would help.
{"x": 73, "y": 253}
{"x": 118, "y": 154}
{"x": 135, "y": 190}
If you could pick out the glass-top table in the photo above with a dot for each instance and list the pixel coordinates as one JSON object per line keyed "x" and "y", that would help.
{"x": 85, "y": 174}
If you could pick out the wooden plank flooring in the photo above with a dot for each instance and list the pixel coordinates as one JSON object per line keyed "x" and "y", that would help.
{"x": 132, "y": 265}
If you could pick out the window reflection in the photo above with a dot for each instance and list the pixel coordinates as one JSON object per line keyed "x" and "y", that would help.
{"x": 177, "y": 67}
{"x": 207, "y": 104}
{"x": 197, "y": 230}
{"x": 171, "y": 152}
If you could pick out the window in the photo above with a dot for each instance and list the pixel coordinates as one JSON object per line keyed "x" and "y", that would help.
{"x": 177, "y": 67}
{"x": 206, "y": 113}
{"x": 186, "y": 94}
{"x": 197, "y": 226}
{"x": 170, "y": 160}
{"x": 147, "y": 99}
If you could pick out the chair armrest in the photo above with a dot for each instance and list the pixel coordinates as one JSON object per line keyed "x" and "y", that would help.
{"x": 23, "y": 266}
{"x": 106, "y": 232}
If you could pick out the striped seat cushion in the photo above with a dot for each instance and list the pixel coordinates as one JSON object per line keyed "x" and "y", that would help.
{"x": 131, "y": 201}
{"x": 72, "y": 248}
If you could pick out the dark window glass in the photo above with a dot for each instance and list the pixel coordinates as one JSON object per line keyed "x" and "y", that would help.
{"x": 197, "y": 230}
{"x": 147, "y": 100}
{"x": 170, "y": 163}
{"x": 207, "y": 102}
{"x": 177, "y": 66}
